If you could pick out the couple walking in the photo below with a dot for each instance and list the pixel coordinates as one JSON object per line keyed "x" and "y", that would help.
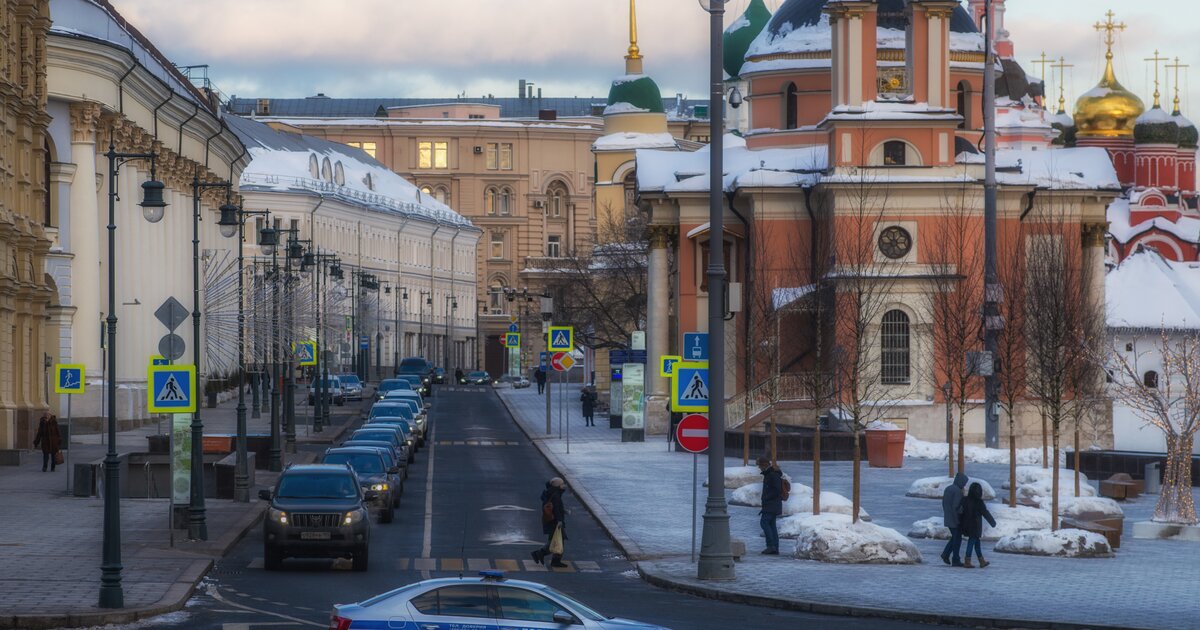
{"x": 964, "y": 515}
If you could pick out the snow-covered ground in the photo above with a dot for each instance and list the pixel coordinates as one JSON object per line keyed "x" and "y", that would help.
{"x": 921, "y": 449}
{"x": 1008, "y": 521}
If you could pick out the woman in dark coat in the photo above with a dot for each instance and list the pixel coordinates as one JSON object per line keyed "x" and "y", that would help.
{"x": 49, "y": 439}
{"x": 588, "y": 399}
{"x": 553, "y": 517}
{"x": 974, "y": 511}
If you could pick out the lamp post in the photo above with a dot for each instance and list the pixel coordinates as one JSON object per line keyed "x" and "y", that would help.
{"x": 295, "y": 251}
{"x": 427, "y": 298}
{"x": 320, "y": 406}
{"x": 268, "y": 240}
{"x": 335, "y": 273}
{"x": 112, "y": 594}
{"x": 451, "y": 306}
{"x": 716, "y": 556}
{"x": 233, "y": 223}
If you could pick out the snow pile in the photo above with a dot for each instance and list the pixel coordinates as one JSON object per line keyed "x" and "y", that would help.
{"x": 1066, "y": 543}
{"x": 624, "y": 108}
{"x": 932, "y": 527}
{"x": 749, "y": 495}
{"x": 800, "y": 504}
{"x": 738, "y": 476}
{"x": 935, "y": 487}
{"x": 834, "y": 538}
{"x": 1036, "y": 474}
{"x": 1009, "y": 521}
{"x": 921, "y": 449}
{"x": 1090, "y": 507}
{"x": 1039, "y": 494}
{"x": 880, "y": 425}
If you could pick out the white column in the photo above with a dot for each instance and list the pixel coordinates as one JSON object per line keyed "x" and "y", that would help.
{"x": 86, "y": 233}
{"x": 658, "y": 325}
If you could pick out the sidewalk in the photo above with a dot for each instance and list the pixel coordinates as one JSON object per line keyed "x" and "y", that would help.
{"x": 640, "y": 493}
{"x": 50, "y": 566}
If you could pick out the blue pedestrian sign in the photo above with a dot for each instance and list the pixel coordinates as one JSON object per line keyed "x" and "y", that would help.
{"x": 305, "y": 352}
{"x": 512, "y": 340}
{"x": 561, "y": 339}
{"x": 544, "y": 361}
{"x": 513, "y": 328}
{"x": 171, "y": 388}
{"x": 68, "y": 379}
{"x": 689, "y": 388}
{"x": 695, "y": 346}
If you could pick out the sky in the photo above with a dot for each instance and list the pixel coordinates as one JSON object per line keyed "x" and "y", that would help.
{"x": 421, "y": 48}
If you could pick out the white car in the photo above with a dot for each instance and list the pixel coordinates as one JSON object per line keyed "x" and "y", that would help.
{"x": 333, "y": 391}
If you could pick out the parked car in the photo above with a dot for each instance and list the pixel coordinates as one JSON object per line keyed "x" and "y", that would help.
{"x": 390, "y": 384}
{"x": 439, "y": 376}
{"x": 333, "y": 391}
{"x": 352, "y": 387}
{"x": 418, "y": 366}
{"x": 410, "y": 437}
{"x": 385, "y": 434}
{"x": 414, "y": 381}
{"x": 380, "y": 483}
{"x": 392, "y": 455}
{"x": 517, "y": 382}
{"x": 477, "y": 378}
{"x": 466, "y": 602}
{"x": 316, "y": 511}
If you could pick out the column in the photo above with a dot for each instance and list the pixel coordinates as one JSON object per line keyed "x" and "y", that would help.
{"x": 85, "y": 237}
{"x": 658, "y": 420}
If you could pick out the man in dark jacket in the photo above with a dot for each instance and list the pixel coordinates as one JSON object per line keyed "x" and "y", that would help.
{"x": 772, "y": 504}
{"x": 587, "y": 398}
{"x": 952, "y": 500}
{"x": 539, "y": 375}
{"x": 553, "y": 517}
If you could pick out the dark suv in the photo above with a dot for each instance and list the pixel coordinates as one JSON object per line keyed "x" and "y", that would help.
{"x": 316, "y": 512}
{"x": 380, "y": 482}
{"x": 421, "y": 367}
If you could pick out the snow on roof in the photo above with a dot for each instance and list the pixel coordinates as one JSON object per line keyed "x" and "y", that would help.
{"x": 784, "y": 296}
{"x": 1185, "y": 228}
{"x": 688, "y": 171}
{"x": 1155, "y": 115}
{"x": 630, "y": 140}
{"x": 891, "y": 110}
{"x": 280, "y": 162}
{"x": 1148, "y": 291}
{"x": 447, "y": 122}
{"x": 1081, "y": 168}
{"x": 624, "y": 108}
{"x": 1017, "y": 118}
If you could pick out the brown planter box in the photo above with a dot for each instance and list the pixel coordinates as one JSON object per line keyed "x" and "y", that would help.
{"x": 885, "y": 448}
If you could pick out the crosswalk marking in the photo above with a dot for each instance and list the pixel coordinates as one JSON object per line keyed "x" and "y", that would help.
{"x": 452, "y": 564}
{"x": 507, "y": 564}
{"x": 425, "y": 564}
{"x": 587, "y": 566}
{"x": 402, "y": 564}
{"x": 570, "y": 568}
{"x": 530, "y": 565}
{"x": 477, "y": 443}
{"x": 479, "y": 564}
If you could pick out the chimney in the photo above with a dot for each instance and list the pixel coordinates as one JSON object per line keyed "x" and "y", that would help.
{"x": 529, "y": 90}
{"x": 539, "y": 94}
{"x": 547, "y": 114}
{"x": 521, "y": 88}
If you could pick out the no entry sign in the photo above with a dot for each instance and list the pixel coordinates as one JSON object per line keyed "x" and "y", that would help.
{"x": 692, "y": 433}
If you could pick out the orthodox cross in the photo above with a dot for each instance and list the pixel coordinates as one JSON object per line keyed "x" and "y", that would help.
{"x": 1110, "y": 28}
{"x": 1156, "y": 59}
{"x": 1176, "y": 67}
{"x": 1061, "y": 66}
{"x": 1043, "y": 62}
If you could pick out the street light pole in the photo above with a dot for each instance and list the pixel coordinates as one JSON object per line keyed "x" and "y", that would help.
{"x": 716, "y": 557}
{"x": 268, "y": 240}
{"x": 991, "y": 281}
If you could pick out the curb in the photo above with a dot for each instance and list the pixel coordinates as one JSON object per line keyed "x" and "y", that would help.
{"x": 671, "y": 583}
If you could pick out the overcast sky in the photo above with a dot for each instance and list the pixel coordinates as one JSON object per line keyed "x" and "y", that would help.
{"x": 423, "y": 48}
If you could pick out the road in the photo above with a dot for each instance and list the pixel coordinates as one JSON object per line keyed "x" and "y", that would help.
{"x": 470, "y": 503}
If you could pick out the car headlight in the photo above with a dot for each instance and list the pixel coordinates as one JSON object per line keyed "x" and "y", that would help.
{"x": 352, "y": 517}
{"x": 379, "y": 487}
{"x": 277, "y": 515}
{"x": 426, "y": 379}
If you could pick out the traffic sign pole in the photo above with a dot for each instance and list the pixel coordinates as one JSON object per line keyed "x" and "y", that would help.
{"x": 695, "y": 484}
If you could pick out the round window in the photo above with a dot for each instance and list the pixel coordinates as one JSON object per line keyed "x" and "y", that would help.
{"x": 895, "y": 242}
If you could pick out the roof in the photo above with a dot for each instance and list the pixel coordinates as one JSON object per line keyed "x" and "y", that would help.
{"x": 510, "y": 107}
{"x": 319, "y": 468}
{"x": 1186, "y": 229}
{"x": 1149, "y": 291}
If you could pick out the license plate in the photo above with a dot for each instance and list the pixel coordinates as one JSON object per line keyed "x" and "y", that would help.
{"x": 314, "y": 535}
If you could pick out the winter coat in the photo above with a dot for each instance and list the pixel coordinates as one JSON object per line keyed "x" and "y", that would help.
{"x": 588, "y": 398}
{"x": 555, "y": 497}
{"x": 772, "y": 491}
{"x": 952, "y": 500}
{"x": 539, "y": 376}
{"x": 48, "y": 436}
{"x": 973, "y": 512}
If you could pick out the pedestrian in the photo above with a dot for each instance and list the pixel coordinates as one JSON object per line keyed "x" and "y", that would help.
{"x": 772, "y": 504}
{"x": 49, "y": 439}
{"x": 458, "y": 376}
{"x": 952, "y": 500}
{"x": 540, "y": 377}
{"x": 588, "y": 398}
{"x": 974, "y": 512}
{"x": 553, "y": 523}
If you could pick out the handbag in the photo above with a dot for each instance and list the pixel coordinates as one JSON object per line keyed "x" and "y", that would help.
{"x": 58, "y": 458}
{"x": 556, "y": 541}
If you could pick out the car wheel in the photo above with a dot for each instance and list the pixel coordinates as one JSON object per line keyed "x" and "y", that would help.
{"x": 272, "y": 558}
{"x": 386, "y": 516}
{"x": 360, "y": 559}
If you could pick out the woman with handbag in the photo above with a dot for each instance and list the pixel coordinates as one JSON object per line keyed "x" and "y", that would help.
{"x": 553, "y": 523}
{"x": 50, "y": 440}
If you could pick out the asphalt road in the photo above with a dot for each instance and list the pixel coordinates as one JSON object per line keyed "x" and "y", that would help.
{"x": 470, "y": 503}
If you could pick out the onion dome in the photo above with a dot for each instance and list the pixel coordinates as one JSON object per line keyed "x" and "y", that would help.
{"x": 741, "y": 33}
{"x": 1065, "y": 125}
{"x": 1156, "y": 127}
{"x": 634, "y": 93}
{"x": 1107, "y": 110}
{"x": 1189, "y": 136}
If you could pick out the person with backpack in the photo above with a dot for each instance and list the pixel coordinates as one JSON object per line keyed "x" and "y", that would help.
{"x": 553, "y": 523}
{"x": 773, "y": 496}
{"x": 972, "y": 515}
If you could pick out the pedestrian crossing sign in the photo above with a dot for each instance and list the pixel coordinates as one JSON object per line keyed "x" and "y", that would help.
{"x": 512, "y": 340}
{"x": 305, "y": 352}
{"x": 68, "y": 379}
{"x": 171, "y": 389}
{"x": 562, "y": 339}
{"x": 689, "y": 387}
{"x": 668, "y": 365}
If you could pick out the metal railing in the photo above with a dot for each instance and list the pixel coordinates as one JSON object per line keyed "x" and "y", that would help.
{"x": 778, "y": 388}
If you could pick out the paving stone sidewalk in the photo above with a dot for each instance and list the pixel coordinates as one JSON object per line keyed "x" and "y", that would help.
{"x": 50, "y": 543}
{"x": 640, "y": 492}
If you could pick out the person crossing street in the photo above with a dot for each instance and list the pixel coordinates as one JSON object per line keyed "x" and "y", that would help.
{"x": 554, "y": 516}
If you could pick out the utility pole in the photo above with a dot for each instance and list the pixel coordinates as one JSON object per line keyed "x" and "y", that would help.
{"x": 992, "y": 292}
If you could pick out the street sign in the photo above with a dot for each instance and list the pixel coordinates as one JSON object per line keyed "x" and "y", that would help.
{"x": 513, "y": 328}
{"x": 562, "y": 361}
{"x": 695, "y": 346}
{"x": 171, "y": 313}
{"x": 544, "y": 360}
{"x": 562, "y": 339}
{"x": 692, "y": 433}
{"x": 618, "y": 357}
{"x": 512, "y": 340}
{"x": 158, "y": 359}
{"x": 689, "y": 387}
{"x": 171, "y": 388}
{"x": 68, "y": 378}
{"x": 305, "y": 352}
{"x": 667, "y": 368}
{"x": 171, "y": 346}
{"x": 512, "y": 318}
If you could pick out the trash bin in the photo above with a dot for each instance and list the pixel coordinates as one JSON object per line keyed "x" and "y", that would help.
{"x": 885, "y": 448}
{"x": 1152, "y": 483}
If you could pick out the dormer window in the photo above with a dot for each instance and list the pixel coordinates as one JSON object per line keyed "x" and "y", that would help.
{"x": 326, "y": 170}
{"x": 339, "y": 174}
{"x": 314, "y": 166}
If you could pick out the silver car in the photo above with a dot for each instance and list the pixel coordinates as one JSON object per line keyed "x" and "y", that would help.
{"x": 485, "y": 602}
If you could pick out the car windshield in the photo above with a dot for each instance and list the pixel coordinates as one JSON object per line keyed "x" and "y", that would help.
{"x": 394, "y": 421}
{"x": 350, "y": 379}
{"x": 388, "y": 385}
{"x": 579, "y": 608}
{"x": 382, "y": 436}
{"x": 388, "y": 410}
{"x": 317, "y": 486}
{"x": 414, "y": 364}
{"x": 478, "y": 375}
{"x": 332, "y": 382}
{"x": 362, "y": 463}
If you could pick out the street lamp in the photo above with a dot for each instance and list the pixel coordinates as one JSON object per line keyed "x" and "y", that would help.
{"x": 451, "y": 306}
{"x": 233, "y": 223}
{"x": 321, "y": 406}
{"x": 295, "y": 251}
{"x": 268, "y": 241}
{"x": 112, "y": 595}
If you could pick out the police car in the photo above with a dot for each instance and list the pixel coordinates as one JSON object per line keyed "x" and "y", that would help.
{"x": 488, "y": 602}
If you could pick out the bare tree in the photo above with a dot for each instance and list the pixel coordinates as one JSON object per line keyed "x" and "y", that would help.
{"x": 1010, "y": 342}
{"x": 1169, "y": 403}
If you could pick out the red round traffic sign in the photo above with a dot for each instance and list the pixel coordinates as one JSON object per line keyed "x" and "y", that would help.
{"x": 561, "y": 361}
{"x": 692, "y": 433}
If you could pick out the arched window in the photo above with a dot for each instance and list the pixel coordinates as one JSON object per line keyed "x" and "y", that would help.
{"x": 964, "y": 103}
{"x": 557, "y": 200}
{"x": 496, "y": 295}
{"x": 326, "y": 170}
{"x": 314, "y": 166}
{"x": 630, "y": 184}
{"x": 1150, "y": 379}
{"x": 505, "y": 201}
{"x": 441, "y": 194}
{"x": 339, "y": 174}
{"x": 894, "y": 344}
{"x": 791, "y": 107}
{"x": 894, "y": 153}
{"x": 489, "y": 201}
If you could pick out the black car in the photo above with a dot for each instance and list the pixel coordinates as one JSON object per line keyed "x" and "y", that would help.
{"x": 477, "y": 378}
{"x": 395, "y": 456}
{"x": 385, "y": 434}
{"x": 419, "y": 366}
{"x": 388, "y": 385}
{"x": 380, "y": 482}
{"x": 439, "y": 376}
{"x": 316, "y": 512}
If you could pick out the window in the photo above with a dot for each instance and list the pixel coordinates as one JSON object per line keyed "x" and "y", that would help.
{"x": 506, "y": 156}
{"x": 455, "y": 601}
{"x": 504, "y": 200}
{"x": 432, "y": 154}
{"x": 1150, "y": 379}
{"x": 499, "y": 156}
{"x": 964, "y": 99}
{"x": 326, "y": 170}
{"x": 496, "y": 296}
{"x": 493, "y": 160}
{"x": 893, "y": 153}
{"x": 489, "y": 201}
{"x": 367, "y": 147}
{"x": 426, "y": 190}
{"x": 339, "y": 174}
{"x": 894, "y": 348}
{"x": 521, "y": 605}
{"x": 557, "y": 201}
{"x": 554, "y": 246}
{"x": 791, "y": 106}
{"x": 314, "y": 166}
{"x": 263, "y": 107}
{"x": 497, "y": 246}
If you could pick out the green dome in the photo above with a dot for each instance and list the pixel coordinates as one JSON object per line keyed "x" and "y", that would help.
{"x": 1065, "y": 125}
{"x": 1155, "y": 127}
{"x": 742, "y": 33}
{"x": 637, "y": 90}
{"x": 1188, "y": 135}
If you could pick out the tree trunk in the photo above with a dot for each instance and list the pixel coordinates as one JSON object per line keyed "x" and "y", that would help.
{"x": 816, "y": 506}
{"x": 962, "y": 457}
{"x": 949, "y": 441}
{"x": 854, "y": 503}
{"x": 1012, "y": 463}
{"x": 1054, "y": 486}
{"x": 1045, "y": 434}
{"x": 1076, "y": 458}
{"x": 1175, "y": 504}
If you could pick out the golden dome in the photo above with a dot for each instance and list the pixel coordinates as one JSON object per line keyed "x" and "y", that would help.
{"x": 1107, "y": 110}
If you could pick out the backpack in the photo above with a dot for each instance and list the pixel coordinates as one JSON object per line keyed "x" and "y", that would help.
{"x": 548, "y": 512}
{"x": 787, "y": 489}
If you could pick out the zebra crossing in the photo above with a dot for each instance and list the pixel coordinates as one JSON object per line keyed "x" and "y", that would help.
{"x": 472, "y": 565}
{"x": 477, "y": 443}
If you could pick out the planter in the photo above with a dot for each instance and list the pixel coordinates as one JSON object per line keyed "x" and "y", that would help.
{"x": 885, "y": 448}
